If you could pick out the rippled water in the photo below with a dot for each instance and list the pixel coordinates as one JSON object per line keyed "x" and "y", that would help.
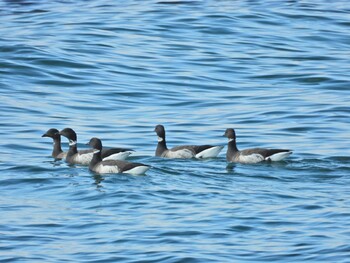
{"x": 276, "y": 71}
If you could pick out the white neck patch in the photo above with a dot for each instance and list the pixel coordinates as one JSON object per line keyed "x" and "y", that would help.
{"x": 231, "y": 139}
{"x": 72, "y": 143}
{"x": 96, "y": 151}
{"x": 160, "y": 139}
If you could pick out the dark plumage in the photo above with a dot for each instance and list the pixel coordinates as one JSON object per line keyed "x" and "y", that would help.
{"x": 85, "y": 156}
{"x": 57, "y": 152}
{"x": 112, "y": 166}
{"x": 253, "y": 155}
{"x": 184, "y": 151}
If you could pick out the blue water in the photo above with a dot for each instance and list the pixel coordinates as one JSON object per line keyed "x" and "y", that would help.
{"x": 276, "y": 71}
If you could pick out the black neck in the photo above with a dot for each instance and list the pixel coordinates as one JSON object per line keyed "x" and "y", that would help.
{"x": 161, "y": 147}
{"x": 95, "y": 159}
{"x": 72, "y": 150}
{"x": 56, "y": 147}
{"x": 231, "y": 149}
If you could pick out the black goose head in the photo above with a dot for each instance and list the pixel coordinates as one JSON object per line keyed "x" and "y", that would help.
{"x": 159, "y": 129}
{"x": 69, "y": 134}
{"x": 95, "y": 143}
{"x": 230, "y": 134}
{"x": 52, "y": 133}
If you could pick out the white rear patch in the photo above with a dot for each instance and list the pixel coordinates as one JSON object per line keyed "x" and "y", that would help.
{"x": 278, "y": 156}
{"x": 183, "y": 154}
{"x": 210, "y": 153}
{"x": 118, "y": 156}
{"x": 139, "y": 170}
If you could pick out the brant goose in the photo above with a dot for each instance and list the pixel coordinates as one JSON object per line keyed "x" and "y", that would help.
{"x": 84, "y": 157}
{"x": 57, "y": 152}
{"x": 254, "y": 155}
{"x": 112, "y": 166}
{"x": 185, "y": 151}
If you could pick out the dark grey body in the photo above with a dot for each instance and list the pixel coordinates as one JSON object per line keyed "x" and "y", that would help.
{"x": 111, "y": 166}
{"x": 57, "y": 152}
{"x": 253, "y": 155}
{"x": 84, "y": 157}
{"x": 184, "y": 151}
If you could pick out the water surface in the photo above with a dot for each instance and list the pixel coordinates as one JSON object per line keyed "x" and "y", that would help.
{"x": 276, "y": 71}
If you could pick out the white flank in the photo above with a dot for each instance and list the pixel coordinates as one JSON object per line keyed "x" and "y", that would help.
{"x": 139, "y": 170}
{"x": 252, "y": 158}
{"x": 278, "y": 156}
{"x": 118, "y": 156}
{"x": 183, "y": 154}
{"x": 106, "y": 169}
{"x": 84, "y": 159}
{"x": 210, "y": 153}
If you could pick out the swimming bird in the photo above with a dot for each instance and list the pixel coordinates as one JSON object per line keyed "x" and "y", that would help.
{"x": 57, "y": 152}
{"x": 113, "y": 166}
{"x": 185, "y": 151}
{"x": 84, "y": 157}
{"x": 254, "y": 155}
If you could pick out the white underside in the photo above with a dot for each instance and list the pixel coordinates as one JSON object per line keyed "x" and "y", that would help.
{"x": 252, "y": 158}
{"x": 114, "y": 169}
{"x": 118, "y": 156}
{"x": 106, "y": 169}
{"x": 278, "y": 156}
{"x": 210, "y": 153}
{"x": 257, "y": 158}
{"x": 83, "y": 159}
{"x": 139, "y": 170}
{"x": 183, "y": 153}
